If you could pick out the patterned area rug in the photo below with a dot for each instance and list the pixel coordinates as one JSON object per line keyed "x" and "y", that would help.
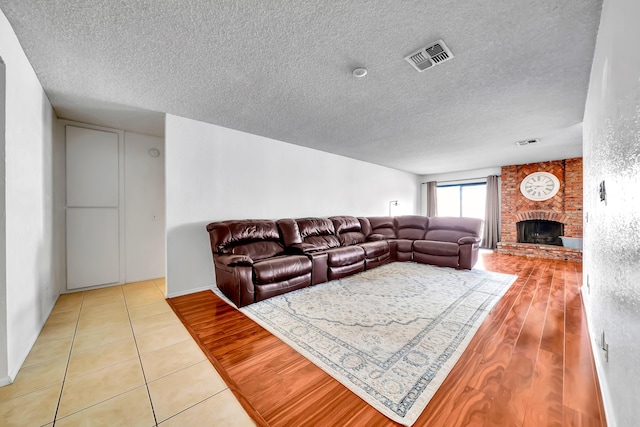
{"x": 391, "y": 334}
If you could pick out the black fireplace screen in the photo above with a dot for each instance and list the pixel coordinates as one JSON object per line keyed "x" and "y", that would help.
{"x": 540, "y": 231}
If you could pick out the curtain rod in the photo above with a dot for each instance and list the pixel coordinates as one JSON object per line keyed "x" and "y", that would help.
{"x": 459, "y": 180}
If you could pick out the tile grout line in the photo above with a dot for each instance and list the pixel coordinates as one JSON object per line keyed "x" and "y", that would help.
{"x": 68, "y": 361}
{"x": 66, "y": 369}
{"x": 78, "y": 312}
{"x": 144, "y": 376}
{"x": 195, "y": 404}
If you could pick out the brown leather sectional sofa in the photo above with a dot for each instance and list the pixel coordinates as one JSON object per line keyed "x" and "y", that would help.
{"x": 257, "y": 259}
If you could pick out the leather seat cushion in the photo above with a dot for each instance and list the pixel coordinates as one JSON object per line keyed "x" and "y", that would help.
{"x": 345, "y": 256}
{"x": 446, "y": 235}
{"x": 404, "y": 245}
{"x": 281, "y": 268}
{"x": 258, "y": 250}
{"x": 375, "y": 249}
{"x": 436, "y": 248}
{"x": 352, "y": 238}
{"x": 322, "y": 243}
{"x": 383, "y": 225}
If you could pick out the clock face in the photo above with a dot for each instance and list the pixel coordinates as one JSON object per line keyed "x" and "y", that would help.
{"x": 540, "y": 186}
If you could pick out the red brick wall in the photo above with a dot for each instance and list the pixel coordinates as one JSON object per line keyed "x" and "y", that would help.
{"x": 573, "y": 197}
{"x": 567, "y": 201}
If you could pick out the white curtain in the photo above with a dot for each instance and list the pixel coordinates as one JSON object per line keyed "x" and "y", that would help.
{"x": 490, "y": 236}
{"x": 432, "y": 198}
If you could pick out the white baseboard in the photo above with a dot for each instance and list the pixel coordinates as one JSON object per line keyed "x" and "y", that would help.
{"x": 5, "y": 381}
{"x": 11, "y": 376}
{"x": 191, "y": 291}
{"x": 598, "y": 357}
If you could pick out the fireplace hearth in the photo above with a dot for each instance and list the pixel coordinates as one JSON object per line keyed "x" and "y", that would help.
{"x": 540, "y": 232}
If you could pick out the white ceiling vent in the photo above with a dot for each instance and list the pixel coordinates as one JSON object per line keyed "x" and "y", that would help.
{"x": 527, "y": 142}
{"x": 434, "y": 54}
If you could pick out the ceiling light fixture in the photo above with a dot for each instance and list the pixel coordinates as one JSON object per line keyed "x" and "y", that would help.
{"x": 359, "y": 72}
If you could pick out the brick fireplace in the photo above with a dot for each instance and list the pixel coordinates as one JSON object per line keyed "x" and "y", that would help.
{"x": 565, "y": 208}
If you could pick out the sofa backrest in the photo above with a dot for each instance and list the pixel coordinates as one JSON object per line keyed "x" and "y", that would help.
{"x": 450, "y": 229}
{"x": 383, "y": 225}
{"x": 256, "y": 238}
{"x": 348, "y": 229}
{"x": 318, "y": 232}
{"x": 412, "y": 227}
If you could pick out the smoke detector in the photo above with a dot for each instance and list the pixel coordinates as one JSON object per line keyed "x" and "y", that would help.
{"x": 429, "y": 56}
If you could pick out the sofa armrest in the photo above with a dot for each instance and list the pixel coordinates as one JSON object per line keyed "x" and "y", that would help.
{"x": 235, "y": 280}
{"x": 303, "y": 248}
{"x": 376, "y": 237}
{"x": 234, "y": 260}
{"x": 469, "y": 248}
{"x": 468, "y": 240}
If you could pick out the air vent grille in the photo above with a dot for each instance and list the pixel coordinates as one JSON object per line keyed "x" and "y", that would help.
{"x": 527, "y": 142}
{"x": 425, "y": 58}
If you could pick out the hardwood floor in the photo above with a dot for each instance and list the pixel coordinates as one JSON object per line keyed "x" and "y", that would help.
{"x": 529, "y": 364}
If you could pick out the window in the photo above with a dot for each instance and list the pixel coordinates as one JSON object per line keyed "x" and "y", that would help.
{"x": 462, "y": 200}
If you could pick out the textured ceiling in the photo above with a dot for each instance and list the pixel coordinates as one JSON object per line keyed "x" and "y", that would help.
{"x": 282, "y": 69}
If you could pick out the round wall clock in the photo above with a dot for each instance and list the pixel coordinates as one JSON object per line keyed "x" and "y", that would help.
{"x": 539, "y": 186}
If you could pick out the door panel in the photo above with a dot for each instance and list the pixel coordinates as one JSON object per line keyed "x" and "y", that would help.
{"x": 92, "y": 247}
{"x": 92, "y": 168}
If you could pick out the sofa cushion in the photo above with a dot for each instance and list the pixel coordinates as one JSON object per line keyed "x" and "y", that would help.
{"x": 322, "y": 243}
{"x": 411, "y": 227}
{"x": 289, "y": 231}
{"x": 365, "y": 225}
{"x": 346, "y": 255}
{"x": 318, "y": 232}
{"x": 281, "y": 268}
{"x": 255, "y": 238}
{"x": 315, "y": 227}
{"x": 348, "y": 229}
{"x": 258, "y": 250}
{"x": 436, "y": 248}
{"x": 345, "y": 224}
{"x": 464, "y": 226}
{"x": 351, "y": 238}
{"x": 268, "y": 290}
{"x": 404, "y": 245}
{"x": 383, "y": 225}
{"x": 375, "y": 249}
{"x": 445, "y": 235}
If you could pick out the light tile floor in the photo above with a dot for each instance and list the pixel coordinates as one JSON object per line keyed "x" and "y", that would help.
{"x": 118, "y": 356}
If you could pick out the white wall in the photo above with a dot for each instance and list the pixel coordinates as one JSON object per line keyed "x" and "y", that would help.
{"x": 31, "y": 257}
{"x": 612, "y": 232}
{"x": 214, "y": 173}
{"x": 4, "y": 368}
{"x": 144, "y": 207}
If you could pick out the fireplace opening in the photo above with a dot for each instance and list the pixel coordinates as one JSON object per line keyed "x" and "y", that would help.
{"x": 540, "y": 231}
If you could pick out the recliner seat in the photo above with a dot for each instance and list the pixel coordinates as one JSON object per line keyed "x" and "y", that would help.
{"x": 409, "y": 228}
{"x": 450, "y": 242}
{"x": 316, "y": 238}
{"x": 250, "y": 261}
{"x": 349, "y": 232}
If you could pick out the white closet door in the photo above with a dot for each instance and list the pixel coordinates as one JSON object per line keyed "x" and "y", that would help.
{"x": 92, "y": 168}
{"x": 93, "y": 255}
{"x": 92, "y": 247}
